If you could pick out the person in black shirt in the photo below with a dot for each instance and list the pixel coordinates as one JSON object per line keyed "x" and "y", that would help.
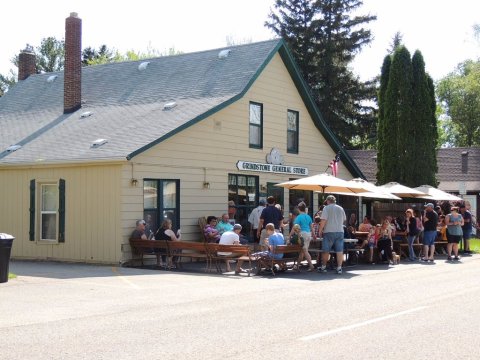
{"x": 269, "y": 215}
{"x": 430, "y": 221}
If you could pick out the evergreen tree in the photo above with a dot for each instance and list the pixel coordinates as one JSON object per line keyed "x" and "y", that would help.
{"x": 324, "y": 39}
{"x": 387, "y": 61}
{"x": 431, "y": 178}
{"x": 397, "y": 41}
{"x": 407, "y": 122}
{"x": 421, "y": 154}
{"x": 398, "y": 110}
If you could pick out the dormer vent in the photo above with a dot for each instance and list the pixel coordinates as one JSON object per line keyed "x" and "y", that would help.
{"x": 13, "y": 148}
{"x": 51, "y": 78}
{"x": 169, "y": 106}
{"x": 143, "y": 65}
{"x": 99, "y": 142}
{"x": 86, "y": 114}
{"x": 224, "y": 53}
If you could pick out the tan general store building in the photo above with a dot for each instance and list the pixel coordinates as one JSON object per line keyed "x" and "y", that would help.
{"x": 86, "y": 152}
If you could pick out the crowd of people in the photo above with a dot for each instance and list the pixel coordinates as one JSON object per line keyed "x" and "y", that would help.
{"x": 425, "y": 227}
{"x": 268, "y": 228}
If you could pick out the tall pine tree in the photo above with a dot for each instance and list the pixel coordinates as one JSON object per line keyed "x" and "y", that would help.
{"x": 397, "y": 112}
{"x": 324, "y": 39}
{"x": 408, "y": 140}
{"x": 381, "y": 136}
{"x": 423, "y": 154}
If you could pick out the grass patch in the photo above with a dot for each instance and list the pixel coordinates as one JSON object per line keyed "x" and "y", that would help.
{"x": 11, "y": 276}
{"x": 475, "y": 245}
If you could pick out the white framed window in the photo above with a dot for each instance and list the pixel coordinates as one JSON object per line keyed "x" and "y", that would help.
{"x": 292, "y": 131}
{"x": 47, "y": 210}
{"x": 256, "y": 125}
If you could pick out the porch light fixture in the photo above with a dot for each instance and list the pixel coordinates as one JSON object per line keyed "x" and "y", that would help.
{"x": 133, "y": 181}
{"x": 206, "y": 184}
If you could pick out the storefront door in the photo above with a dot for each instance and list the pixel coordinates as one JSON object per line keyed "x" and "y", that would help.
{"x": 243, "y": 191}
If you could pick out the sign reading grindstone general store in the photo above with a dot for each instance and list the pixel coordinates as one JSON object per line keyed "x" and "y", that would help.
{"x": 274, "y": 165}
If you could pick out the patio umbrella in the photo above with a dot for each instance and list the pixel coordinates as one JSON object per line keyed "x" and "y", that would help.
{"x": 436, "y": 194}
{"x": 324, "y": 183}
{"x": 374, "y": 191}
{"x": 401, "y": 190}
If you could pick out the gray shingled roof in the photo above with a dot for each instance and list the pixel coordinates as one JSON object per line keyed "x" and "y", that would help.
{"x": 455, "y": 165}
{"x": 127, "y": 104}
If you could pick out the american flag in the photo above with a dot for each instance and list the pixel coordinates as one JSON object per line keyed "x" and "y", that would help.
{"x": 334, "y": 164}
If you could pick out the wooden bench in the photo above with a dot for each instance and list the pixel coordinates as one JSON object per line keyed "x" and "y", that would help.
{"x": 187, "y": 249}
{"x": 441, "y": 247}
{"x": 237, "y": 253}
{"x": 401, "y": 248}
{"x": 268, "y": 262}
{"x": 148, "y": 247}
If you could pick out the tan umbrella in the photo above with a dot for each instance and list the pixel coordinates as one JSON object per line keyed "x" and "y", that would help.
{"x": 374, "y": 192}
{"x": 401, "y": 190}
{"x": 324, "y": 183}
{"x": 436, "y": 194}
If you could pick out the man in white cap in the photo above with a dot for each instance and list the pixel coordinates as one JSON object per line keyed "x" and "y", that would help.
{"x": 430, "y": 221}
{"x": 331, "y": 225}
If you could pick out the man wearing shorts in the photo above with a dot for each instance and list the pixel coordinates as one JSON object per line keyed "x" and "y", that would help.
{"x": 331, "y": 225}
{"x": 430, "y": 221}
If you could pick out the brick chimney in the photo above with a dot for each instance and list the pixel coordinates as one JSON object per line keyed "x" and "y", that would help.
{"x": 26, "y": 63}
{"x": 72, "y": 97}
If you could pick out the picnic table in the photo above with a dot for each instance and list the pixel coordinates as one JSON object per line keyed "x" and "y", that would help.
{"x": 349, "y": 250}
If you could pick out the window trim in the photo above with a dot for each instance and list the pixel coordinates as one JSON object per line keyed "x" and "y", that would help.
{"x": 36, "y": 212}
{"x": 42, "y": 212}
{"x": 291, "y": 150}
{"x": 160, "y": 208}
{"x": 250, "y": 125}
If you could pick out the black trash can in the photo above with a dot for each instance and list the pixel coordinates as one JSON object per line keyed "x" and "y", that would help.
{"x": 6, "y": 241}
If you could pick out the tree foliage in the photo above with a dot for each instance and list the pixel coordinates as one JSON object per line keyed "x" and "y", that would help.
{"x": 50, "y": 57}
{"x": 459, "y": 93}
{"x": 397, "y": 41}
{"x": 422, "y": 145}
{"x": 407, "y": 122}
{"x": 324, "y": 38}
{"x": 382, "y": 136}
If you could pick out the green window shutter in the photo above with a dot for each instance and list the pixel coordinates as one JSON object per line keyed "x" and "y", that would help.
{"x": 32, "y": 211}
{"x": 61, "y": 211}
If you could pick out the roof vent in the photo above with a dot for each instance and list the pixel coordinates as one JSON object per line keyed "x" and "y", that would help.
{"x": 224, "y": 53}
{"x": 169, "y": 106}
{"x": 51, "y": 78}
{"x": 99, "y": 142}
{"x": 86, "y": 114}
{"x": 13, "y": 148}
{"x": 143, "y": 65}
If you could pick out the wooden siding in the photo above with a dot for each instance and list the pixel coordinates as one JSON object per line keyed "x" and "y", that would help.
{"x": 92, "y": 228}
{"x": 210, "y": 149}
{"x": 102, "y": 204}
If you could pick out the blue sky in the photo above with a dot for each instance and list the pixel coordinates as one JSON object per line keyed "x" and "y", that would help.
{"x": 441, "y": 30}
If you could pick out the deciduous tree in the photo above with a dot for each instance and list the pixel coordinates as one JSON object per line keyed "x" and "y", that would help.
{"x": 459, "y": 93}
